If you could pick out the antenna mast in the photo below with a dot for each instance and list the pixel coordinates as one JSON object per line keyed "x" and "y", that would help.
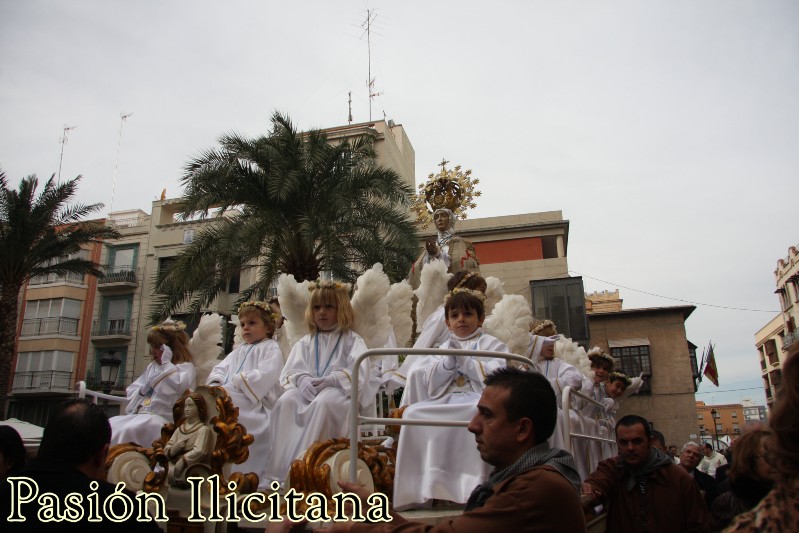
{"x": 370, "y": 82}
{"x": 123, "y": 118}
{"x": 63, "y": 140}
{"x": 349, "y": 102}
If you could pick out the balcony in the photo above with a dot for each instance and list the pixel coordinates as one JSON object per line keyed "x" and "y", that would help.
{"x": 790, "y": 338}
{"x": 57, "y": 278}
{"x": 118, "y": 279}
{"x": 43, "y": 381}
{"x": 111, "y": 330}
{"x": 36, "y": 327}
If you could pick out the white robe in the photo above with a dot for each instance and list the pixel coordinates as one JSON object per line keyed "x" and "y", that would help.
{"x": 147, "y": 411}
{"x": 249, "y": 374}
{"x": 597, "y": 421}
{"x": 434, "y": 333}
{"x": 560, "y": 374}
{"x": 298, "y": 423}
{"x": 443, "y": 462}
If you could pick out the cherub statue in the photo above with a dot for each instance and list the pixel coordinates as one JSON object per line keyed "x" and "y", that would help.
{"x": 191, "y": 443}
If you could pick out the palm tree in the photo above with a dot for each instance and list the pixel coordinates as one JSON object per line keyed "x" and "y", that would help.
{"x": 292, "y": 203}
{"x": 36, "y": 235}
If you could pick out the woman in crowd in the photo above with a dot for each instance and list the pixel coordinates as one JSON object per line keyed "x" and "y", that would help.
{"x": 750, "y": 478}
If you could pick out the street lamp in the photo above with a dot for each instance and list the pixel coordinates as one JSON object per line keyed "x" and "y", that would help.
{"x": 109, "y": 371}
{"x": 715, "y": 427}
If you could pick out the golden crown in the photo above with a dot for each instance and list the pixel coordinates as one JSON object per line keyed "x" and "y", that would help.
{"x": 169, "y": 325}
{"x": 329, "y": 284}
{"x": 477, "y": 294}
{"x": 449, "y": 189}
{"x": 260, "y": 305}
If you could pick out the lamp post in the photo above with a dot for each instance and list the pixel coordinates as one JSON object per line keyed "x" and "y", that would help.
{"x": 109, "y": 371}
{"x": 715, "y": 428}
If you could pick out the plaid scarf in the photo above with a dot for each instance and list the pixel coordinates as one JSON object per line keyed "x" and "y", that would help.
{"x": 542, "y": 454}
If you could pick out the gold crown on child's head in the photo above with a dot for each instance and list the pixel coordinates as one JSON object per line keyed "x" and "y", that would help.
{"x": 169, "y": 325}
{"x": 541, "y": 326}
{"x": 621, "y": 376}
{"x": 477, "y": 294}
{"x": 260, "y": 304}
{"x": 596, "y": 352}
{"x": 329, "y": 284}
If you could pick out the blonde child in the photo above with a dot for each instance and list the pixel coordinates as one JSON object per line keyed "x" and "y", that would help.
{"x": 318, "y": 380}
{"x": 152, "y": 396}
{"x": 443, "y": 462}
{"x": 249, "y": 374}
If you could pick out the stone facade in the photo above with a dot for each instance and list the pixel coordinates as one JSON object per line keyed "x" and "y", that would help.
{"x": 671, "y": 404}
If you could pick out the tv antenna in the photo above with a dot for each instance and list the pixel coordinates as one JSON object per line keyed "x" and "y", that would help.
{"x": 370, "y": 81}
{"x": 123, "y": 117}
{"x": 63, "y": 140}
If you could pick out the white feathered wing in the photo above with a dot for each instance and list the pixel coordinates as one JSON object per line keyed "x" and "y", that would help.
{"x": 494, "y": 293}
{"x": 432, "y": 289}
{"x": 400, "y": 304}
{"x": 370, "y": 304}
{"x": 575, "y": 355}
{"x": 205, "y": 345}
{"x": 510, "y": 323}
{"x": 294, "y": 299}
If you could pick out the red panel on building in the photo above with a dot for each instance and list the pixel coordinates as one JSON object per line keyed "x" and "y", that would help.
{"x": 507, "y": 251}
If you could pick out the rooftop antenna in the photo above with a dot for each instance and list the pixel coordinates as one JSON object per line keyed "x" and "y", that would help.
{"x": 63, "y": 140}
{"x": 349, "y": 102}
{"x": 123, "y": 117}
{"x": 370, "y": 82}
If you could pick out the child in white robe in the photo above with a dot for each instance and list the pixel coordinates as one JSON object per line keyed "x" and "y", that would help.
{"x": 249, "y": 374}
{"x": 152, "y": 396}
{"x": 590, "y": 453}
{"x": 443, "y": 462}
{"x": 318, "y": 380}
{"x": 434, "y": 330}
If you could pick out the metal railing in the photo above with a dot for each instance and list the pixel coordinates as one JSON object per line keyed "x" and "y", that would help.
{"x": 95, "y": 383}
{"x": 57, "y": 278}
{"x": 790, "y": 338}
{"x": 103, "y": 328}
{"x": 84, "y": 392}
{"x": 49, "y": 326}
{"x": 357, "y": 420}
{"x": 42, "y": 380}
{"x": 568, "y": 434}
{"x": 115, "y": 274}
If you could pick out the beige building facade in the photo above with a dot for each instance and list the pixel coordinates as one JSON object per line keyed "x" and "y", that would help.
{"x": 652, "y": 342}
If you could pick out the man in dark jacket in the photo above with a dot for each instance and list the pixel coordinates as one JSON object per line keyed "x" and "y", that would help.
{"x": 643, "y": 489}
{"x": 64, "y": 489}
{"x": 690, "y": 455}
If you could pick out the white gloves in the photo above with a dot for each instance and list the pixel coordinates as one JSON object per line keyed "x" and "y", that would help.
{"x": 307, "y": 389}
{"x": 166, "y": 356}
{"x": 321, "y": 384}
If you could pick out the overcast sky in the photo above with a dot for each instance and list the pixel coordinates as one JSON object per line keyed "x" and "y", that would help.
{"x": 665, "y": 131}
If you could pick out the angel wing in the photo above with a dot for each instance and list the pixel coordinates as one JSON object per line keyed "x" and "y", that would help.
{"x": 400, "y": 305}
{"x": 510, "y": 323}
{"x": 294, "y": 299}
{"x": 205, "y": 345}
{"x": 234, "y": 319}
{"x": 635, "y": 386}
{"x": 432, "y": 289}
{"x": 370, "y": 304}
{"x": 575, "y": 355}
{"x": 494, "y": 293}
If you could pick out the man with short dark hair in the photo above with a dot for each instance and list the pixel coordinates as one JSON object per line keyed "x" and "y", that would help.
{"x": 690, "y": 455}
{"x": 71, "y": 461}
{"x": 532, "y": 488}
{"x": 643, "y": 489}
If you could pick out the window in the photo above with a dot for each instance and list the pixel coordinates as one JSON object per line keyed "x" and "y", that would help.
{"x": 62, "y": 278}
{"x": 51, "y": 369}
{"x": 700, "y": 416}
{"x": 719, "y": 428}
{"x": 122, "y": 262}
{"x": 115, "y": 315}
{"x": 701, "y": 427}
{"x": 164, "y": 264}
{"x": 771, "y": 351}
{"x": 188, "y": 236}
{"x": 563, "y": 302}
{"x": 735, "y": 414}
{"x": 56, "y": 316}
{"x": 735, "y": 427}
{"x": 634, "y": 360}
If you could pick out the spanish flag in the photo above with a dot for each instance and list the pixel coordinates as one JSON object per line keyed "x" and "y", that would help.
{"x": 711, "y": 372}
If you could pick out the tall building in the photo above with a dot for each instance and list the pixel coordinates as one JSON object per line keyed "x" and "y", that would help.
{"x": 720, "y": 424}
{"x": 650, "y": 342}
{"x": 775, "y": 338}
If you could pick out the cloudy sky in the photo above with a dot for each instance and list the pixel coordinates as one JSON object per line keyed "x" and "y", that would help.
{"x": 665, "y": 131}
